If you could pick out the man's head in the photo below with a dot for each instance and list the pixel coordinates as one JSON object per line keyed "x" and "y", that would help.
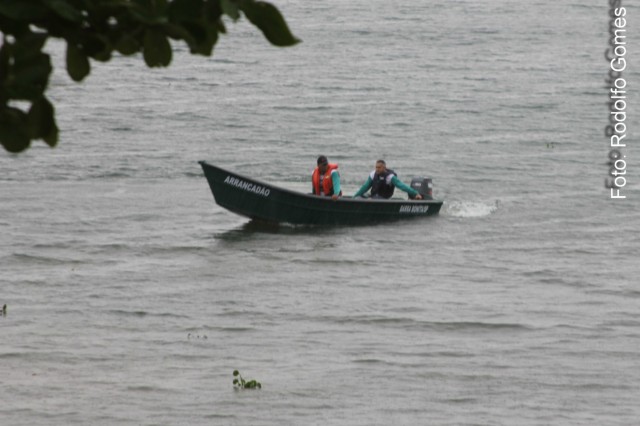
{"x": 323, "y": 163}
{"x": 381, "y": 166}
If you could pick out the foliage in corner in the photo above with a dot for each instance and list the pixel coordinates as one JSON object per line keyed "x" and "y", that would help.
{"x": 240, "y": 383}
{"x": 95, "y": 29}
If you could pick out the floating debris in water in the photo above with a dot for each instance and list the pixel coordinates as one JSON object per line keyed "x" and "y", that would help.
{"x": 196, "y": 336}
{"x": 240, "y": 383}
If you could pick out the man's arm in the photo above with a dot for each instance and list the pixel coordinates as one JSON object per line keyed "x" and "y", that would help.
{"x": 364, "y": 188}
{"x": 335, "y": 179}
{"x": 403, "y": 186}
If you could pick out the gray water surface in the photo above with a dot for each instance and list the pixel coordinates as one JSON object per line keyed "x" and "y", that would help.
{"x": 132, "y": 296}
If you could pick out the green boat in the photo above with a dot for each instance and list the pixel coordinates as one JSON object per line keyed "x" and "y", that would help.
{"x": 267, "y": 203}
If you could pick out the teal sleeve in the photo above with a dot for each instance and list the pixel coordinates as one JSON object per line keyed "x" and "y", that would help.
{"x": 335, "y": 178}
{"x": 364, "y": 188}
{"x": 403, "y": 186}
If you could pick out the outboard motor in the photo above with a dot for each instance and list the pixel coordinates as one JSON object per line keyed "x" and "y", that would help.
{"x": 424, "y": 186}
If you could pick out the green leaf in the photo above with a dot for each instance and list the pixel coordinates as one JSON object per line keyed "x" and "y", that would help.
{"x": 97, "y": 46}
{"x": 42, "y": 123}
{"x": 268, "y": 19}
{"x": 51, "y": 138}
{"x": 157, "y": 50}
{"x": 188, "y": 22}
{"x": 177, "y": 32}
{"x": 78, "y": 66}
{"x": 196, "y": 30}
{"x": 13, "y": 133}
{"x": 24, "y": 69}
{"x": 159, "y": 6}
{"x": 199, "y": 38}
{"x": 212, "y": 11}
{"x": 21, "y": 10}
{"x": 230, "y": 8}
{"x": 27, "y": 73}
{"x": 5, "y": 59}
{"x": 29, "y": 45}
{"x": 235, "y": 373}
{"x": 65, "y": 10}
{"x": 30, "y": 76}
{"x": 185, "y": 10}
{"x": 220, "y": 26}
{"x": 148, "y": 12}
{"x": 12, "y": 26}
{"x": 127, "y": 45}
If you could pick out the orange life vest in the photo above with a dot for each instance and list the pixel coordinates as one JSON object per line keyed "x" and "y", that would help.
{"x": 327, "y": 183}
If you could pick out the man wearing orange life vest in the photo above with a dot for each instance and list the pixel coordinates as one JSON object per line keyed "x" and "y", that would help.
{"x": 326, "y": 179}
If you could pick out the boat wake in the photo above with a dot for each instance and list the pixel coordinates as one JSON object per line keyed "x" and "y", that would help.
{"x": 469, "y": 209}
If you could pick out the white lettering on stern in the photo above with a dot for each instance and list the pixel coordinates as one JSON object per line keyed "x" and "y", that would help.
{"x": 413, "y": 209}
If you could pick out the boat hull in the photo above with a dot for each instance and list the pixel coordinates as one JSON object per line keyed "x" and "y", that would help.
{"x": 264, "y": 202}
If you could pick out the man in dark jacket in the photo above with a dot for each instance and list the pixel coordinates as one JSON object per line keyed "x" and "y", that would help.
{"x": 383, "y": 181}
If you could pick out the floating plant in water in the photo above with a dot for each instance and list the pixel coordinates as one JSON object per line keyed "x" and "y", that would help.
{"x": 240, "y": 383}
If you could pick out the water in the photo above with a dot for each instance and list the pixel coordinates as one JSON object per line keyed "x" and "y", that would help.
{"x": 132, "y": 297}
